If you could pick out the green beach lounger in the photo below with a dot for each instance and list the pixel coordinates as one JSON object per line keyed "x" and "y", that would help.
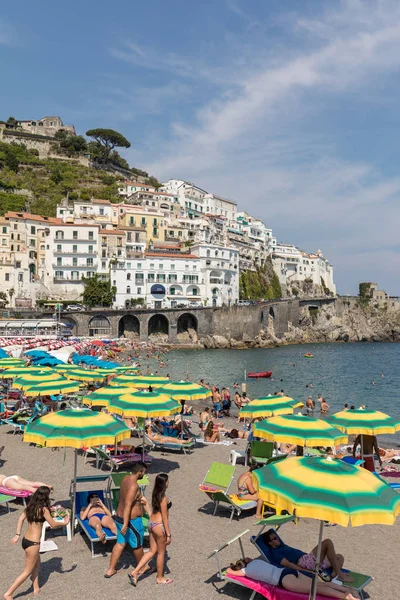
{"x": 260, "y": 452}
{"x": 217, "y": 482}
{"x": 4, "y": 499}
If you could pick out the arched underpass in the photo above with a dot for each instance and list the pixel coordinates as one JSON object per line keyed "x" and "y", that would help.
{"x": 158, "y": 326}
{"x": 187, "y": 326}
{"x": 129, "y": 326}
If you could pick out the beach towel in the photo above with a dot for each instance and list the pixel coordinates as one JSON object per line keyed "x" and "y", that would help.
{"x": 269, "y": 591}
{"x": 242, "y": 503}
{"x": 15, "y": 493}
{"x": 390, "y": 473}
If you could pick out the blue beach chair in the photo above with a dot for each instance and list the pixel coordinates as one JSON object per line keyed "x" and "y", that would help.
{"x": 80, "y": 501}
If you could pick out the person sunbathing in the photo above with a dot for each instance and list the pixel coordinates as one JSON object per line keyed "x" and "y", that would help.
{"x": 157, "y": 437}
{"x": 212, "y": 434}
{"x": 291, "y": 558}
{"x": 288, "y": 579}
{"x": 388, "y": 454}
{"x": 247, "y": 491}
{"x": 14, "y": 482}
{"x": 98, "y": 516}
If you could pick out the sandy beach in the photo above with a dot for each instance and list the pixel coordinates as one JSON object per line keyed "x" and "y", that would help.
{"x": 71, "y": 572}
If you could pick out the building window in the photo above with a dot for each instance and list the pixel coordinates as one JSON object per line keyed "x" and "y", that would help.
{"x": 101, "y": 211}
{"x": 161, "y": 277}
{"x": 179, "y": 233}
{"x": 161, "y": 267}
{"x": 4, "y": 242}
{"x": 89, "y": 262}
{"x": 74, "y": 262}
{"x": 59, "y": 274}
{"x": 172, "y": 267}
{"x": 4, "y": 229}
{"x": 195, "y": 292}
{"x": 90, "y": 249}
{"x": 128, "y": 289}
{"x": 32, "y": 243}
{"x": 150, "y": 277}
{"x": 33, "y": 229}
{"x": 139, "y": 265}
{"x": 58, "y": 248}
{"x": 75, "y": 275}
{"x": 20, "y": 277}
{"x": 139, "y": 290}
{"x": 103, "y": 265}
{"x": 128, "y": 276}
{"x": 155, "y": 232}
{"x": 7, "y": 277}
{"x": 59, "y": 262}
{"x": 143, "y": 221}
{"x": 131, "y": 220}
{"x": 151, "y": 265}
{"x": 172, "y": 291}
{"x": 91, "y": 235}
{"x": 18, "y": 264}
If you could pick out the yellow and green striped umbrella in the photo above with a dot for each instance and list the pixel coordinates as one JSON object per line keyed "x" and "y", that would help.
{"x": 13, "y": 372}
{"x": 139, "y": 381}
{"x": 65, "y": 367}
{"x": 76, "y": 428}
{"x": 299, "y": 430}
{"x": 269, "y": 406}
{"x": 84, "y": 375}
{"x": 102, "y": 396}
{"x": 185, "y": 390}
{"x": 6, "y": 363}
{"x": 118, "y": 370}
{"x": 58, "y": 387}
{"x": 144, "y": 404}
{"x": 363, "y": 421}
{"x": 329, "y": 490}
{"x": 27, "y": 381}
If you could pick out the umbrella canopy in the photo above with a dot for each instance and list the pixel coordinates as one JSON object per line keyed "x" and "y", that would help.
{"x": 144, "y": 404}
{"x": 185, "y": 390}
{"x": 76, "y": 428}
{"x": 57, "y": 387}
{"x": 84, "y": 375}
{"x": 116, "y": 370}
{"x": 362, "y": 421}
{"x": 102, "y": 396}
{"x": 11, "y": 362}
{"x": 26, "y": 381}
{"x": 299, "y": 430}
{"x": 269, "y": 406}
{"x": 12, "y": 372}
{"x": 327, "y": 489}
{"x": 65, "y": 367}
{"x": 138, "y": 381}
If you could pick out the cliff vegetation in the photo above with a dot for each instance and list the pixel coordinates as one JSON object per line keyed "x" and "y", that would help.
{"x": 260, "y": 284}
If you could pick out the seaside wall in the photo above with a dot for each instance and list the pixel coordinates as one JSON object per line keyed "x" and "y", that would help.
{"x": 237, "y": 323}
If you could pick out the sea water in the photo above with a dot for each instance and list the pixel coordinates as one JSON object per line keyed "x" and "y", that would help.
{"x": 355, "y": 374}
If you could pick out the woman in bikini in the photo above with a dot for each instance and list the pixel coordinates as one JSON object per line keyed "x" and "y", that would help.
{"x": 247, "y": 491}
{"x": 210, "y": 434}
{"x": 36, "y": 513}
{"x": 14, "y": 482}
{"x": 159, "y": 531}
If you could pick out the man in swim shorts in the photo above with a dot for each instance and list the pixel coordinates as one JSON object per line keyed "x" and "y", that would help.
{"x": 128, "y": 518}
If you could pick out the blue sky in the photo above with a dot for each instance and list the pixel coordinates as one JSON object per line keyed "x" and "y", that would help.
{"x": 289, "y": 107}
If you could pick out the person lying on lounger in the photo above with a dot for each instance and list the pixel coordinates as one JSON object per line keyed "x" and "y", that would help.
{"x": 291, "y": 558}
{"x": 14, "y": 482}
{"x": 289, "y": 579}
{"x": 157, "y": 437}
{"x": 98, "y": 516}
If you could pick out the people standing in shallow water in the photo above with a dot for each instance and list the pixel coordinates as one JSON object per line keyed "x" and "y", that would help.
{"x": 36, "y": 513}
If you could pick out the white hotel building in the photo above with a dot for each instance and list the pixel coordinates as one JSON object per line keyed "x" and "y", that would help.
{"x": 291, "y": 264}
{"x": 208, "y": 276}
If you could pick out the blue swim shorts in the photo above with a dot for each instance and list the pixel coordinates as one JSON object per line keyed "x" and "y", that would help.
{"x": 134, "y": 534}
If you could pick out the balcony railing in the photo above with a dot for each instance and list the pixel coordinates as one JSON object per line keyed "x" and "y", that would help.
{"x": 74, "y": 240}
{"x": 60, "y": 279}
{"x": 65, "y": 266}
{"x": 84, "y": 252}
{"x": 134, "y": 254}
{"x": 215, "y": 280}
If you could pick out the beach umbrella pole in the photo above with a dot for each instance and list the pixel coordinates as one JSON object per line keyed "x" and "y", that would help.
{"x": 313, "y": 590}
{"x": 74, "y": 492}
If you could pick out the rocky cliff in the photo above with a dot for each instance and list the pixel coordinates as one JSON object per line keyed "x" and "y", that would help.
{"x": 345, "y": 320}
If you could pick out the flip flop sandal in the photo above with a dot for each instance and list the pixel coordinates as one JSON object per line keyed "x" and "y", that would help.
{"x": 132, "y": 580}
{"x": 112, "y": 575}
{"x": 166, "y": 582}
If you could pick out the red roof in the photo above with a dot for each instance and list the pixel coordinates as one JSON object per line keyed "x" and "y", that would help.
{"x": 28, "y": 216}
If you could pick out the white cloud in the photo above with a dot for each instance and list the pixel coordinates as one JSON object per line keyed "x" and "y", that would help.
{"x": 256, "y": 141}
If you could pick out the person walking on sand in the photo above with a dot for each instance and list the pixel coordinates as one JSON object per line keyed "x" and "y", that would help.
{"x": 36, "y": 513}
{"x": 128, "y": 518}
{"x": 368, "y": 449}
{"x": 159, "y": 532}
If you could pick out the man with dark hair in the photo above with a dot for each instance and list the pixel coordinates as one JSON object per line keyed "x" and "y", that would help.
{"x": 128, "y": 517}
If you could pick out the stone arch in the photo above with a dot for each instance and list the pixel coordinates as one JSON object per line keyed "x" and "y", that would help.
{"x": 158, "y": 324}
{"x": 71, "y": 324}
{"x": 185, "y": 322}
{"x": 271, "y": 312}
{"x": 99, "y": 325}
{"x": 129, "y": 326}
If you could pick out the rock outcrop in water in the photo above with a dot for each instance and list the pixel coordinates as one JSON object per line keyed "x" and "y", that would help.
{"x": 345, "y": 320}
